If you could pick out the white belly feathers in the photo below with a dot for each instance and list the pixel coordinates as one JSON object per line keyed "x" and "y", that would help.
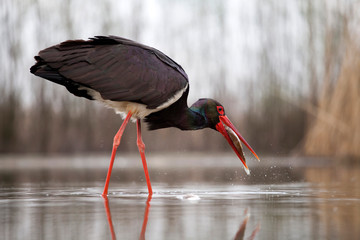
{"x": 138, "y": 110}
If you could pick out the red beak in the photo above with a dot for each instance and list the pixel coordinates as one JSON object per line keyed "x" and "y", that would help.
{"x": 232, "y": 135}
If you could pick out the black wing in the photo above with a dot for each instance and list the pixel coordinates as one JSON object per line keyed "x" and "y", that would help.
{"x": 118, "y": 68}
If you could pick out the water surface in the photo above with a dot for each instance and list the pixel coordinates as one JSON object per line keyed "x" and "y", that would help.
{"x": 195, "y": 197}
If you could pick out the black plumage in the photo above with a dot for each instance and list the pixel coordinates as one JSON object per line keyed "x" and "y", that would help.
{"x": 118, "y": 68}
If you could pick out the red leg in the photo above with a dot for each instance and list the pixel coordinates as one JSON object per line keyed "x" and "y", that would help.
{"x": 116, "y": 143}
{"x": 141, "y": 147}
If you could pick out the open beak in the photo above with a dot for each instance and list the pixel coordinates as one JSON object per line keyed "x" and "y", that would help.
{"x": 232, "y": 135}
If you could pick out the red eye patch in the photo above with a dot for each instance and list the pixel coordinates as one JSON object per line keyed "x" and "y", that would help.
{"x": 220, "y": 110}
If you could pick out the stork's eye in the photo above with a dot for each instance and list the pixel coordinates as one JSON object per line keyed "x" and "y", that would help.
{"x": 220, "y": 110}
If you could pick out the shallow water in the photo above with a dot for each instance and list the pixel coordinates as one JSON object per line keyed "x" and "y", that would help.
{"x": 194, "y": 198}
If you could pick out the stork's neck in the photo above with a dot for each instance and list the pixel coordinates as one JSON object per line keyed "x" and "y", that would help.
{"x": 179, "y": 115}
{"x": 192, "y": 119}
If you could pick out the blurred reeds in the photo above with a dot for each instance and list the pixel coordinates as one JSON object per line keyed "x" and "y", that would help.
{"x": 336, "y": 129}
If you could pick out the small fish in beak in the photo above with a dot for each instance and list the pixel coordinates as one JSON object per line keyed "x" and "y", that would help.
{"x": 234, "y": 138}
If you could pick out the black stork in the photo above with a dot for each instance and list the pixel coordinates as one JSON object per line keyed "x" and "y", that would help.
{"x": 137, "y": 81}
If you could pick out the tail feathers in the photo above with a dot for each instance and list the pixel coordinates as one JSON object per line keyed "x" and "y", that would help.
{"x": 36, "y": 67}
{"x": 41, "y": 69}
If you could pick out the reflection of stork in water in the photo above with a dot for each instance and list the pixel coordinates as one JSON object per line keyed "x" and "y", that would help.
{"x": 110, "y": 222}
{"x": 138, "y": 81}
{"x": 241, "y": 231}
{"x": 109, "y": 219}
{"x": 238, "y": 236}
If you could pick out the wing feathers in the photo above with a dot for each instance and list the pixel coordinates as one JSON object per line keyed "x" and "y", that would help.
{"x": 119, "y": 69}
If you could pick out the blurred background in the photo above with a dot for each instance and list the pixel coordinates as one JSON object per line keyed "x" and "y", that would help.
{"x": 287, "y": 73}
